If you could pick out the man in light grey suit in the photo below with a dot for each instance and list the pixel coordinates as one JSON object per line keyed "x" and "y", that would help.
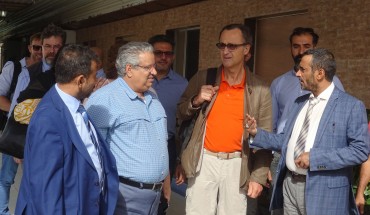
{"x": 321, "y": 142}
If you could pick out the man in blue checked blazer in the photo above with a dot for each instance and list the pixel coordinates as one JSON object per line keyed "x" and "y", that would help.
{"x": 318, "y": 146}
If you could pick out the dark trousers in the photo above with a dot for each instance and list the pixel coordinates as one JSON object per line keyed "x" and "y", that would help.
{"x": 172, "y": 155}
{"x": 260, "y": 205}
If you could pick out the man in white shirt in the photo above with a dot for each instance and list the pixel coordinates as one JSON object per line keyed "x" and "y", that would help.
{"x": 324, "y": 136}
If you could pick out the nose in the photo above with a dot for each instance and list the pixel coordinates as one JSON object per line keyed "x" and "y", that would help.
{"x": 225, "y": 50}
{"x": 298, "y": 73}
{"x": 302, "y": 49}
{"x": 153, "y": 71}
{"x": 163, "y": 55}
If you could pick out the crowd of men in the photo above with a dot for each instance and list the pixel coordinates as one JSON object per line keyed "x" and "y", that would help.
{"x": 109, "y": 146}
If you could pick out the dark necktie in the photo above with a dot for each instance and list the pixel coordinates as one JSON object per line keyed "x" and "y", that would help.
{"x": 301, "y": 141}
{"x": 84, "y": 115}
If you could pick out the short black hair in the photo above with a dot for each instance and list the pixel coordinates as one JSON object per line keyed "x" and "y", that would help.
{"x": 161, "y": 38}
{"x": 53, "y": 30}
{"x": 73, "y": 60}
{"x": 244, "y": 29}
{"x": 301, "y": 30}
{"x": 322, "y": 59}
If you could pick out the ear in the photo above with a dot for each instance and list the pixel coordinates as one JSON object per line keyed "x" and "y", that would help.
{"x": 30, "y": 48}
{"x": 80, "y": 80}
{"x": 247, "y": 49}
{"x": 320, "y": 75}
{"x": 128, "y": 70}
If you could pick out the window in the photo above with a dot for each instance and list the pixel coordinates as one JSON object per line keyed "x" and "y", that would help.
{"x": 186, "y": 50}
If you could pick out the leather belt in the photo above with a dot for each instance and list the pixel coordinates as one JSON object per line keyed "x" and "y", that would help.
{"x": 224, "y": 155}
{"x": 296, "y": 176}
{"x": 155, "y": 186}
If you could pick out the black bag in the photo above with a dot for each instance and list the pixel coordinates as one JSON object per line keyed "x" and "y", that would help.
{"x": 187, "y": 126}
{"x": 13, "y": 139}
{"x": 3, "y": 114}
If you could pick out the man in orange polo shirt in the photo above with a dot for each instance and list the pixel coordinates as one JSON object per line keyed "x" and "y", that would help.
{"x": 220, "y": 166}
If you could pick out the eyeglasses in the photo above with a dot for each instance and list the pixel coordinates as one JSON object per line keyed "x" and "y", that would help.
{"x": 146, "y": 68}
{"x": 55, "y": 48}
{"x": 161, "y": 53}
{"x": 36, "y": 47}
{"x": 230, "y": 46}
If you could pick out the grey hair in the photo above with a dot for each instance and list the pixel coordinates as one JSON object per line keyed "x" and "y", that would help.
{"x": 129, "y": 54}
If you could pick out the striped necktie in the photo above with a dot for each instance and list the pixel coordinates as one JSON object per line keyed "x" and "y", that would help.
{"x": 301, "y": 141}
{"x": 83, "y": 112}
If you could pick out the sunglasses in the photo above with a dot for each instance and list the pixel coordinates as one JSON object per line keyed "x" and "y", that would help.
{"x": 36, "y": 47}
{"x": 161, "y": 53}
{"x": 229, "y": 46}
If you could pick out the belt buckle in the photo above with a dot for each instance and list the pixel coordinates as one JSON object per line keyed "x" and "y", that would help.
{"x": 221, "y": 155}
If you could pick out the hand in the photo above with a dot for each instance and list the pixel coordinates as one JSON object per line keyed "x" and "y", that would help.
{"x": 180, "y": 175}
{"x": 303, "y": 160}
{"x": 17, "y": 160}
{"x": 360, "y": 202}
{"x": 254, "y": 189}
{"x": 167, "y": 188}
{"x": 250, "y": 125}
{"x": 205, "y": 94}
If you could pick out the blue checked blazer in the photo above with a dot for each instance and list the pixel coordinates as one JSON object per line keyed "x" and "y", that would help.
{"x": 341, "y": 142}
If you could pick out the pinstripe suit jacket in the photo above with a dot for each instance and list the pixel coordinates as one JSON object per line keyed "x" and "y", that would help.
{"x": 341, "y": 142}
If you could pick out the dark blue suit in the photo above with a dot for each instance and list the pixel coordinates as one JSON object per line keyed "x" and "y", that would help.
{"x": 341, "y": 142}
{"x": 59, "y": 176}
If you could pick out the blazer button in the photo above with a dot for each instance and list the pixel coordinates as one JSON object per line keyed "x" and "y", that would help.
{"x": 97, "y": 183}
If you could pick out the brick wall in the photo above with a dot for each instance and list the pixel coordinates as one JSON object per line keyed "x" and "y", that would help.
{"x": 343, "y": 26}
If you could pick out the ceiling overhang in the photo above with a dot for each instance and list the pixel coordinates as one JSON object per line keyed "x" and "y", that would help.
{"x": 75, "y": 14}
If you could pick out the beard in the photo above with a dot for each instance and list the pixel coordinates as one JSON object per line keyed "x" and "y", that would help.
{"x": 310, "y": 84}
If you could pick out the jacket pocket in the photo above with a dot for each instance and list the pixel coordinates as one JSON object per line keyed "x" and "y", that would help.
{"x": 338, "y": 181}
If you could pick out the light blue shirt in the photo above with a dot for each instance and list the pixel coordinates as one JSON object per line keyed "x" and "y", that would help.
{"x": 100, "y": 73}
{"x": 6, "y": 76}
{"x": 23, "y": 81}
{"x": 169, "y": 90}
{"x": 72, "y": 104}
{"x": 285, "y": 89}
{"x": 135, "y": 129}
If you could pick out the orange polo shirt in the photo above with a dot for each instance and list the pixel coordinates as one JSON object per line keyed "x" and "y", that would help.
{"x": 224, "y": 129}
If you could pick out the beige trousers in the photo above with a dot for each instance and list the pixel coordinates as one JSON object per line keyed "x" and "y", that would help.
{"x": 215, "y": 188}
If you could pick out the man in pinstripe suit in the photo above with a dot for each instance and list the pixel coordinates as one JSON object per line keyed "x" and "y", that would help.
{"x": 317, "y": 181}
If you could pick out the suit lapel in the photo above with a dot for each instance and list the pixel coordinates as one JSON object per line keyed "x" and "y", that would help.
{"x": 329, "y": 110}
{"x": 71, "y": 127}
{"x": 301, "y": 101}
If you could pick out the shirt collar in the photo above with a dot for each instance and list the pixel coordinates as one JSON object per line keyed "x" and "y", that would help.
{"x": 130, "y": 93}
{"x": 242, "y": 83}
{"x": 71, "y": 102}
{"x": 293, "y": 72}
{"x": 169, "y": 75}
{"x": 325, "y": 95}
{"x": 45, "y": 66}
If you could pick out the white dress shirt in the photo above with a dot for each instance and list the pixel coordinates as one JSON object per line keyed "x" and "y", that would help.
{"x": 72, "y": 104}
{"x": 315, "y": 118}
